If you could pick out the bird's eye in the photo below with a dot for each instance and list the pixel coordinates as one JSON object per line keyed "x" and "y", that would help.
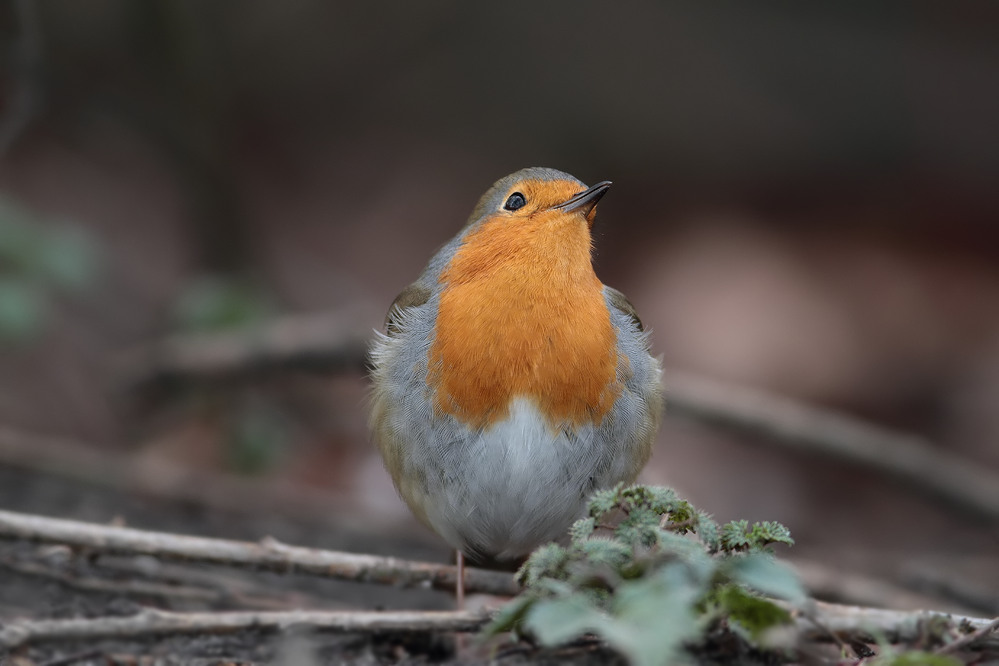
{"x": 515, "y": 201}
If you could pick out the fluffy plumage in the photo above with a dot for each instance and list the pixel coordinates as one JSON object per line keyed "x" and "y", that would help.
{"x": 512, "y": 383}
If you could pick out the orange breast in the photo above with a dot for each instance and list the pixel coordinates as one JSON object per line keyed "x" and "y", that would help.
{"x": 523, "y": 314}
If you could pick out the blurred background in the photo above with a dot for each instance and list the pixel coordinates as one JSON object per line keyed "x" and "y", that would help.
{"x": 805, "y": 200}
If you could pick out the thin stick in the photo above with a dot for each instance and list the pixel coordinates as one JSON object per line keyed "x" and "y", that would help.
{"x": 797, "y": 426}
{"x": 153, "y": 622}
{"x": 860, "y": 622}
{"x": 267, "y": 554}
{"x": 842, "y": 620}
{"x": 969, "y": 639}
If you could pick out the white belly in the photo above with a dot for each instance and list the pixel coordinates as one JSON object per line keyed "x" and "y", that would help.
{"x": 518, "y": 484}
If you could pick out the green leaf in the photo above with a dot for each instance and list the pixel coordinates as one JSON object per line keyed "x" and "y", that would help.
{"x": 602, "y": 551}
{"x": 763, "y": 573}
{"x": 547, "y": 560}
{"x": 582, "y": 529}
{"x": 652, "y": 618}
{"x": 733, "y": 535}
{"x": 555, "y": 621}
{"x": 709, "y": 531}
{"x": 640, "y": 527}
{"x": 662, "y": 499}
{"x": 749, "y": 612}
{"x": 603, "y": 501}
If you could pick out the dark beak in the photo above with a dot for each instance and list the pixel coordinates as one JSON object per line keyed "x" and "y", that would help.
{"x": 585, "y": 200}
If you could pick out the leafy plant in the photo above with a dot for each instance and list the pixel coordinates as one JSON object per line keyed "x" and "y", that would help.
{"x": 653, "y": 576}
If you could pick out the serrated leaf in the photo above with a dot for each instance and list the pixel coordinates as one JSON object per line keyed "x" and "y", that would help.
{"x": 603, "y": 551}
{"x": 603, "y": 501}
{"x": 582, "y": 528}
{"x": 708, "y": 531}
{"x": 733, "y": 535}
{"x": 765, "y": 574}
{"x": 547, "y": 560}
{"x": 749, "y": 612}
{"x": 662, "y": 499}
{"x": 640, "y": 527}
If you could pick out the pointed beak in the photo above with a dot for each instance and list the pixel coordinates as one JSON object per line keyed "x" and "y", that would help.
{"x": 585, "y": 201}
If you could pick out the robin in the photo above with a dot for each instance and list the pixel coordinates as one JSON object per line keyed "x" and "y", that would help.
{"x": 511, "y": 383}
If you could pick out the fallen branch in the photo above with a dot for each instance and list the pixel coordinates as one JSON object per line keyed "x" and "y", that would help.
{"x": 856, "y": 622}
{"x": 844, "y": 621}
{"x": 267, "y": 554}
{"x": 966, "y": 641}
{"x": 153, "y": 622}
{"x": 910, "y": 459}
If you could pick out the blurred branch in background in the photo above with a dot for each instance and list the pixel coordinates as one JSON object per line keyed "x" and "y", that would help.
{"x": 321, "y": 342}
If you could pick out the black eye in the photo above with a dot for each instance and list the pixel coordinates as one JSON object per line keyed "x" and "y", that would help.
{"x": 515, "y": 201}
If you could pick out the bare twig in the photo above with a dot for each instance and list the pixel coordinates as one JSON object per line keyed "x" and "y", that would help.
{"x": 843, "y": 621}
{"x": 969, "y": 640}
{"x": 268, "y": 554}
{"x": 153, "y": 622}
{"x": 849, "y": 622}
{"x": 794, "y": 425}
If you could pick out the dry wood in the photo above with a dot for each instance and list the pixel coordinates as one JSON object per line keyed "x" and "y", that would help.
{"x": 153, "y": 622}
{"x": 968, "y": 640}
{"x": 859, "y": 622}
{"x": 267, "y": 554}
{"x": 843, "y": 621}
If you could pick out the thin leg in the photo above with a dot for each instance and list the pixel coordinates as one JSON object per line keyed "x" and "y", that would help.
{"x": 459, "y": 586}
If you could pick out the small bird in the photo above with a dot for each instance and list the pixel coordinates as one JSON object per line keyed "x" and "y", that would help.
{"x": 510, "y": 382}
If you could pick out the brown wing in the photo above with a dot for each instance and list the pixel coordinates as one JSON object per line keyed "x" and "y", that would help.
{"x": 412, "y": 296}
{"x": 621, "y": 302}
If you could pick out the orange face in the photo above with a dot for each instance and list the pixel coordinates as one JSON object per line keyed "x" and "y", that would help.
{"x": 522, "y": 314}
